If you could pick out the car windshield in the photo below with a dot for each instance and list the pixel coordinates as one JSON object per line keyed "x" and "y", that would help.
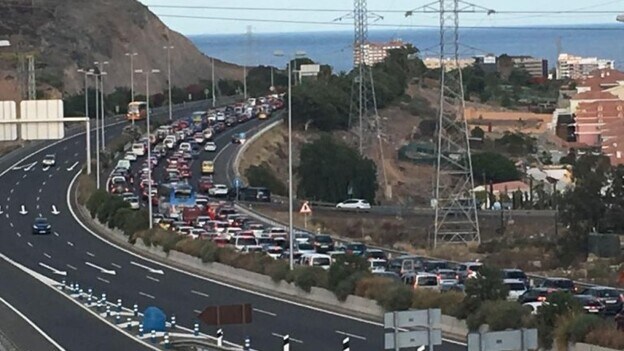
{"x": 356, "y": 247}
{"x": 608, "y": 293}
{"x": 41, "y": 221}
{"x": 305, "y": 246}
{"x": 516, "y": 286}
{"x": 447, "y": 275}
{"x": 321, "y": 261}
{"x": 246, "y": 241}
{"x": 323, "y": 239}
{"x": 515, "y": 275}
{"x": 427, "y": 281}
{"x": 564, "y": 284}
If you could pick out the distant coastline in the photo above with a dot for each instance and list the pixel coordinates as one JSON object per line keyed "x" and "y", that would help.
{"x": 334, "y": 47}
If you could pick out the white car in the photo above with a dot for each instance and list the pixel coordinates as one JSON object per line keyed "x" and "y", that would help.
{"x": 134, "y": 202}
{"x": 138, "y": 149}
{"x": 355, "y": 204}
{"x": 220, "y": 116}
{"x": 49, "y": 160}
{"x": 241, "y": 241}
{"x": 533, "y": 306}
{"x": 210, "y": 146}
{"x": 218, "y": 190}
{"x": 170, "y": 142}
{"x": 516, "y": 288}
{"x": 185, "y": 147}
{"x": 130, "y": 156}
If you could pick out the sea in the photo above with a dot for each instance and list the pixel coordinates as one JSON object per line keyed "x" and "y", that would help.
{"x": 335, "y": 47}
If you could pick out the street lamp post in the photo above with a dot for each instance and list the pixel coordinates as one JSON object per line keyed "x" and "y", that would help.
{"x": 102, "y": 74}
{"x": 131, "y": 55}
{"x": 290, "y": 159}
{"x": 214, "y": 96}
{"x": 168, "y": 48}
{"x": 86, "y": 94}
{"x": 97, "y": 132}
{"x": 149, "y": 145}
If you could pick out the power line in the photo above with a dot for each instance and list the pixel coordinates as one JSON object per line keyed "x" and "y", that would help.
{"x": 390, "y": 25}
{"x": 283, "y": 9}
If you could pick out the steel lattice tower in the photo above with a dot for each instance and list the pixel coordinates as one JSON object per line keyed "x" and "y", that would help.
{"x": 363, "y": 101}
{"x": 32, "y": 84}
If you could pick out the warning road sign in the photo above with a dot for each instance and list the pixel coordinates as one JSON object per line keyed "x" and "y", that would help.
{"x": 305, "y": 208}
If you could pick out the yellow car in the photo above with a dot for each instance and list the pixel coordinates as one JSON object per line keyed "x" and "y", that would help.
{"x": 207, "y": 167}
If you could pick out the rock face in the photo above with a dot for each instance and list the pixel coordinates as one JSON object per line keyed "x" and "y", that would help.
{"x": 65, "y": 35}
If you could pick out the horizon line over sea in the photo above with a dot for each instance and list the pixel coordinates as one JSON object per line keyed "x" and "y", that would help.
{"x": 335, "y": 47}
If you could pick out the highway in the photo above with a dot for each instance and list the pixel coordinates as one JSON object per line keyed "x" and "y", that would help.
{"x": 29, "y": 190}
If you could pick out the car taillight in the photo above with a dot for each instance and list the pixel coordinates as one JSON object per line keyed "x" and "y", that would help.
{"x": 541, "y": 298}
{"x": 439, "y": 277}
{"x": 457, "y": 276}
{"x": 622, "y": 297}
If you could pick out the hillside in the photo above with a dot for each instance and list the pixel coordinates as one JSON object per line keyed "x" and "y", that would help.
{"x": 65, "y": 35}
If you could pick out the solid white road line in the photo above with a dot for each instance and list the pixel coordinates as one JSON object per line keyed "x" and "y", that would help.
{"x": 32, "y": 324}
{"x": 152, "y": 278}
{"x": 146, "y": 295}
{"x": 199, "y": 293}
{"x": 103, "y": 280}
{"x": 265, "y": 312}
{"x": 11, "y": 224}
{"x": 350, "y": 335}
{"x": 149, "y": 269}
{"x": 289, "y": 337}
{"x": 101, "y": 269}
{"x": 52, "y": 269}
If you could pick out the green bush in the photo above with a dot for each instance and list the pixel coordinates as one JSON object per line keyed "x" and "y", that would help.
{"x": 121, "y": 218}
{"x": 277, "y": 270}
{"x": 109, "y": 207}
{"x": 342, "y": 274}
{"x": 95, "y": 200}
{"x": 262, "y": 176}
{"x": 398, "y": 297}
{"x": 209, "y": 252}
{"x": 138, "y": 221}
{"x": 190, "y": 246}
{"x": 446, "y": 301}
{"x": 497, "y": 315}
{"x": 559, "y": 304}
{"x": 574, "y": 327}
{"x": 171, "y": 242}
{"x": 347, "y": 286}
{"x": 307, "y": 277}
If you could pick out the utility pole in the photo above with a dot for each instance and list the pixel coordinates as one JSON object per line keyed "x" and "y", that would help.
{"x": 247, "y": 49}
{"x": 456, "y": 219}
{"x": 100, "y": 66}
{"x": 168, "y": 48}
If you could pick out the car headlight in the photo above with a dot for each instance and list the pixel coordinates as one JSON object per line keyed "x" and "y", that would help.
{"x": 34, "y": 227}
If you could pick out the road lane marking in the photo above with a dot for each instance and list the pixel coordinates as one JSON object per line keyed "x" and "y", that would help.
{"x": 40, "y": 190}
{"x": 32, "y": 324}
{"x": 147, "y": 295}
{"x": 47, "y": 255}
{"x": 350, "y": 335}
{"x": 103, "y": 280}
{"x": 101, "y": 269}
{"x": 152, "y": 278}
{"x": 197, "y": 311}
{"x": 11, "y": 224}
{"x": 71, "y": 168}
{"x": 70, "y": 243}
{"x": 43, "y": 183}
{"x": 50, "y": 175}
{"x": 56, "y": 233}
{"x": 24, "y": 176}
{"x": 289, "y": 337}
{"x": 199, "y": 293}
{"x": 30, "y": 244}
{"x": 149, "y": 269}
{"x": 116, "y": 265}
{"x": 18, "y": 235}
{"x": 17, "y": 183}
{"x": 71, "y": 267}
{"x": 38, "y": 198}
{"x": 54, "y": 270}
{"x": 265, "y": 312}
{"x": 12, "y": 190}
{"x": 90, "y": 254}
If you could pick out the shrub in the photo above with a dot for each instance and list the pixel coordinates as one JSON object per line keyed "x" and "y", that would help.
{"x": 372, "y": 287}
{"x": 573, "y": 327}
{"x": 86, "y": 188}
{"x": 138, "y": 221}
{"x": 262, "y": 176}
{"x": 209, "y": 252}
{"x": 559, "y": 304}
{"x": 307, "y": 277}
{"x": 96, "y": 200}
{"x": 607, "y": 336}
{"x": 190, "y": 246}
{"x": 277, "y": 270}
{"x": 345, "y": 267}
{"x": 347, "y": 286}
{"x": 121, "y": 218}
{"x": 446, "y": 301}
{"x": 108, "y": 208}
{"x": 398, "y": 297}
{"x": 170, "y": 242}
{"x": 497, "y": 314}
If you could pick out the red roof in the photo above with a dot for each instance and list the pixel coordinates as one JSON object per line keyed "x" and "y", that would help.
{"x": 601, "y": 79}
{"x": 594, "y": 95}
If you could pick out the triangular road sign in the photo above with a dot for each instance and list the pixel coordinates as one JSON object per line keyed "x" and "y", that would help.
{"x": 305, "y": 208}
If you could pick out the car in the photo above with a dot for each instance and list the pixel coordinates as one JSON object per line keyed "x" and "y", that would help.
{"x": 315, "y": 260}
{"x": 354, "y": 204}
{"x": 130, "y": 156}
{"x": 240, "y": 241}
{"x": 468, "y": 270}
{"x": 204, "y": 184}
{"x": 434, "y": 265}
{"x": 375, "y": 254}
{"x": 557, "y": 283}
{"x": 533, "y": 306}
{"x": 535, "y": 295}
{"x": 218, "y": 190}
{"x": 377, "y": 265}
{"x": 49, "y": 160}
{"x": 421, "y": 280}
{"x": 355, "y": 248}
{"x": 185, "y": 147}
{"x": 138, "y": 149}
{"x": 323, "y": 243}
{"x": 610, "y": 297}
{"x": 274, "y": 251}
{"x": 210, "y": 146}
{"x": 207, "y": 167}
{"x": 41, "y": 226}
{"x": 199, "y": 138}
{"x": 134, "y": 202}
{"x": 513, "y": 273}
{"x": 239, "y": 138}
{"x": 516, "y": 288}
{"x": 590, "y": 304}
{"x": 305, "y": 248}
{"x": 446, "y": 277}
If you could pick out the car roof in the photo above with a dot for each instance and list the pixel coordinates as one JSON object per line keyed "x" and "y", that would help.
{"x": 512, "y": 281}
{"x": 41, "y": 219}
{"x": 557, "y": 278}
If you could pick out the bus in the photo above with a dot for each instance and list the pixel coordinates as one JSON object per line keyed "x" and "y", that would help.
{"x": 137, "y": 110}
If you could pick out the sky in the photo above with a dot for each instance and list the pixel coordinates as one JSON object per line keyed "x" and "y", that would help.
{"x": 328, "y": 11}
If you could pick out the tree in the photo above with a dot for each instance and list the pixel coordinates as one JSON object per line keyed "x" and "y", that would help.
{"x": 486, "y": 286}
{"x": 559, "y": 304}
{"x": 496, "y": 167}
{"x": 332, "y": 171}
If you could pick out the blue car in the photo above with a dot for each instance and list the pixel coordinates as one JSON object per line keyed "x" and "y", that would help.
{"x": 42, "y": 226}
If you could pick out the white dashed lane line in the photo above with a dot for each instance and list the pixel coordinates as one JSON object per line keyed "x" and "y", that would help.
{"x": 71, "y": 267}
{"x": 90, "y": 254}
{"x": 18, "y": 235}
{"x": 116, "y": 265}
{"x": 199, "y": 293}
{"x": 103, "y": 280}
{"x": 40, "y": 190}
{"x": 289, "y": 337}
{"x": 56, "y": 233}
{"x": 147, "y": 295}
{"x": 12, "y": 190}
{"x": 265, "y": 312}
{"x": 11, "y": 224}
{"x": 46, "y": 255}
{"x": 30, "y": 244}
{"x": 70, "y": 243}
{"x": 350, "y": 335}
{"x": 152, "y": 279}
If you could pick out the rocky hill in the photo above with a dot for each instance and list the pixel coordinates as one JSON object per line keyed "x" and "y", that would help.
{"x": 65, "y": 35}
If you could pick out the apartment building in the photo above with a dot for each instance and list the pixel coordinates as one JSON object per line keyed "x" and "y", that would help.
{"x": 576, "y": 67}
{"x": 536, "y": 67}
{"x": 373, "y": 53}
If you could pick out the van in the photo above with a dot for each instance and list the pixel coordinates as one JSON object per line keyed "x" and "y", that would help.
{"x": 125, "y": 164}
{"x": 138, "y": 149}
{"x": 316, "y": 260}
{"x": 421, "y": 280}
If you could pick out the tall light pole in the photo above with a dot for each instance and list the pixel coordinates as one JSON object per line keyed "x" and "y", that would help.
{"x": 97, "y": 131}
{"x": 149, "y": 145}
{"x": 214, "y": 96}
{"x": 131, "y": 55}
{"x": 86, "y": 94}
{"x": 102, "y": 74}
{"x": 168, "y": 48}
{"x": 290, "y": 158}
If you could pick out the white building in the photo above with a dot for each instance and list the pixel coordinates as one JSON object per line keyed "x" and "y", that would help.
{"x": 375, "y": 52}
{"x": 575, "y": 67}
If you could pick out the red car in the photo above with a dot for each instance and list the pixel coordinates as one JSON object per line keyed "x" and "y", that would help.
{"x": 185, "y": 171}
{"x": 204, "y": 184}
